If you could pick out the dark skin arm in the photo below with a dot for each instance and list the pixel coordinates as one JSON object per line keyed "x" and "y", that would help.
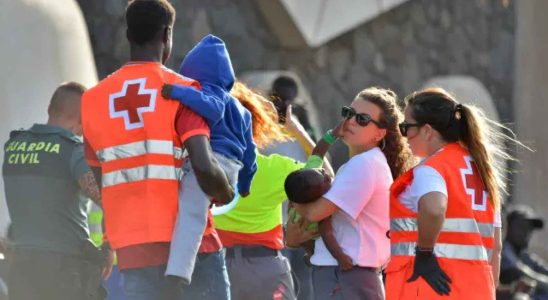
{"x": 210, "y": 176}
{"x": 109, "y": 261}
{"x": 89, "y": 186}
{"x": 322, "y": 146}
{"x": 326, "y": 231}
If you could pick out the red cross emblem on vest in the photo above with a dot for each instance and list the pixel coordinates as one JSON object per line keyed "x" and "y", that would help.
{"x": 132, "y": 102}
{"x": 473, "y": 186}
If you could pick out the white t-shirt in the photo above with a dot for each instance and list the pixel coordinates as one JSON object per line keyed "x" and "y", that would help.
{"x": 425, "y": 180}
{"x": 361, "y": 192}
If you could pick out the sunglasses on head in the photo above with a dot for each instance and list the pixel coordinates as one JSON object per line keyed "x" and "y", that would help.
{"x": 362, "y": 119}
{"x": 404, "y": 127}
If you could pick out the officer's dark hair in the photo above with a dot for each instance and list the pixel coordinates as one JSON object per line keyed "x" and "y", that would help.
{"x": 61, "y": 104}
{"x": 146, "y": 18}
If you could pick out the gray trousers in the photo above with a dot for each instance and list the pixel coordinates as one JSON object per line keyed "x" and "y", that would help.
{"x": 358, "y": 283}
{"x": 192, "y": 219}
{"x": 302, "y": 273}
{"x": 259, "y": 278}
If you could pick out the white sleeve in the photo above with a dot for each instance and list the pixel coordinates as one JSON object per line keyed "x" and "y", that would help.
{"x": 498, "y": 219}
{"x": 353, "y": 185}
{"x": 425, "y": 180}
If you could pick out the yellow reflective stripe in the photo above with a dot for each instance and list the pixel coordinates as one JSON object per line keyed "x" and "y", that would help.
{"x": 139, "y": 148}
{"x": 453, "y": 251}
{"x": 141, "y": 173}
{"x": 97, "y": 238}
{"x": 95, "y": 217}
{"x": 464, "y": 225}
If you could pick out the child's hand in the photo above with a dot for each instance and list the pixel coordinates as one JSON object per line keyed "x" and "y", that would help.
{"x": 338, "y": 130}
{"x": 243, "y": 195}
{"x": 166, "y": 91}
{"x": 345, "y": 262}
{"x": 224, "y": 199}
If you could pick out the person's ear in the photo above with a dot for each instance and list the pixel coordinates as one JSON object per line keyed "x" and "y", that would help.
{"x": 381, "y": 133}
{"x": 426, "y": 131}
{"x": 167, "y": 34}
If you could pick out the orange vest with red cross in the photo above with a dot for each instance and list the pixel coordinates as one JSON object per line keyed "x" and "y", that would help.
{"x": 465, "y": 243}
{"x": 130, "y": 127}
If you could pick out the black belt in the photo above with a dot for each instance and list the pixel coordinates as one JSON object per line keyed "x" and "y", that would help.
{"x": 371, "y": 269}
{"x": 252, "y": 251}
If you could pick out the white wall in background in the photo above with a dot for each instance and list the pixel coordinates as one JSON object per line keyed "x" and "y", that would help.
{"x": 44, "y": 43}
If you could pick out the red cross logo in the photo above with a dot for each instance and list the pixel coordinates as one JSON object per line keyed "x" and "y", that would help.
{"x": 131, "y": 102}
{"x": 473, "y": 185}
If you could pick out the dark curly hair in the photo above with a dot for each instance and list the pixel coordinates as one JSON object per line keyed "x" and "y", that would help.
{"x": 395, "y": 148}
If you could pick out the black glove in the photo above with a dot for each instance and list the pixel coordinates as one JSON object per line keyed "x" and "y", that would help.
{"x": 426, "y": 266}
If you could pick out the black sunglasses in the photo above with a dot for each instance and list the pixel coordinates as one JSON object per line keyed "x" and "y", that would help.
{"x": 362, "y": 119}
{"x": 404, "y": 127}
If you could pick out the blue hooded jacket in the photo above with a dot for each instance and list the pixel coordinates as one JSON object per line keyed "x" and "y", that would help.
{"x": 229, "y": 122}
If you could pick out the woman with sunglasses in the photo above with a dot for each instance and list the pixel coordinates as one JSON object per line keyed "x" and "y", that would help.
{"x": 358, "y": 199}
{"x": 445, "y": 234}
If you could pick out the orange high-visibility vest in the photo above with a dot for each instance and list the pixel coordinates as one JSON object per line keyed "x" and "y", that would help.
{"x": 465, "y": 242}
{"x": 130, "y": 127}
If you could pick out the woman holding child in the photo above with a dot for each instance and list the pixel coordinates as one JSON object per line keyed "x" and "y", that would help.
{"x": 358, "y": 199}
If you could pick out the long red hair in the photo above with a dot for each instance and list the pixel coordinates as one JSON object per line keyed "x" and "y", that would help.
{"x": 265, "y": 126}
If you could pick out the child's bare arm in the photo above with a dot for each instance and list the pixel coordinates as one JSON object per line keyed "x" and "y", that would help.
{"x": 326, "y": 232}
{"x": 329, "y": 138}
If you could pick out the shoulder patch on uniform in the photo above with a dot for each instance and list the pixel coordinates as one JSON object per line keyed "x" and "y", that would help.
{"x": 15, "y": 133}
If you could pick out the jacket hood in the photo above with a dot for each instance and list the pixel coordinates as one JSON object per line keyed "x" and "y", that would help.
{"x": 209, "y": 62}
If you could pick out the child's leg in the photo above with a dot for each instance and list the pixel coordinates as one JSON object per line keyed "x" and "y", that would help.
{"x": 328, "y": 237}
{"x": 192, "y": 219}
{"x": 189, "y": 227}
{"x": 230, "y": 166}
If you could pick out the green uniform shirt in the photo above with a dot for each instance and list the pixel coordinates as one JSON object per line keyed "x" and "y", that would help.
{"x": 41, "y": 169}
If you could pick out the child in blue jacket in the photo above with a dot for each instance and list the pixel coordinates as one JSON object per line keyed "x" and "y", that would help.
{"x": 231, "y": 140}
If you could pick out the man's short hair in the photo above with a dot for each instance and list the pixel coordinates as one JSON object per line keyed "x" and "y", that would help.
{"x": 521, "y": 211}
{"x": 146, "y": 18}
{"x": 60, "y": 103}
{"x": 284, "y": 82}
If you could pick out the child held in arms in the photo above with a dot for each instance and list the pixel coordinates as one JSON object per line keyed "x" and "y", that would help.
{"x": 231, "y": 140}
{"x": 311, "y": 183}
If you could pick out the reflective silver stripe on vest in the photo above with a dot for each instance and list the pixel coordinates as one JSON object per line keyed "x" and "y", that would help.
{"x": 454, "y": 251}
{"x": 141, "y": 173}
{"x": 95, "y": 228}
{"x": 486, "y": 230}
{"x": 139, "y": 148}
{"x": 463, "y": 225}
